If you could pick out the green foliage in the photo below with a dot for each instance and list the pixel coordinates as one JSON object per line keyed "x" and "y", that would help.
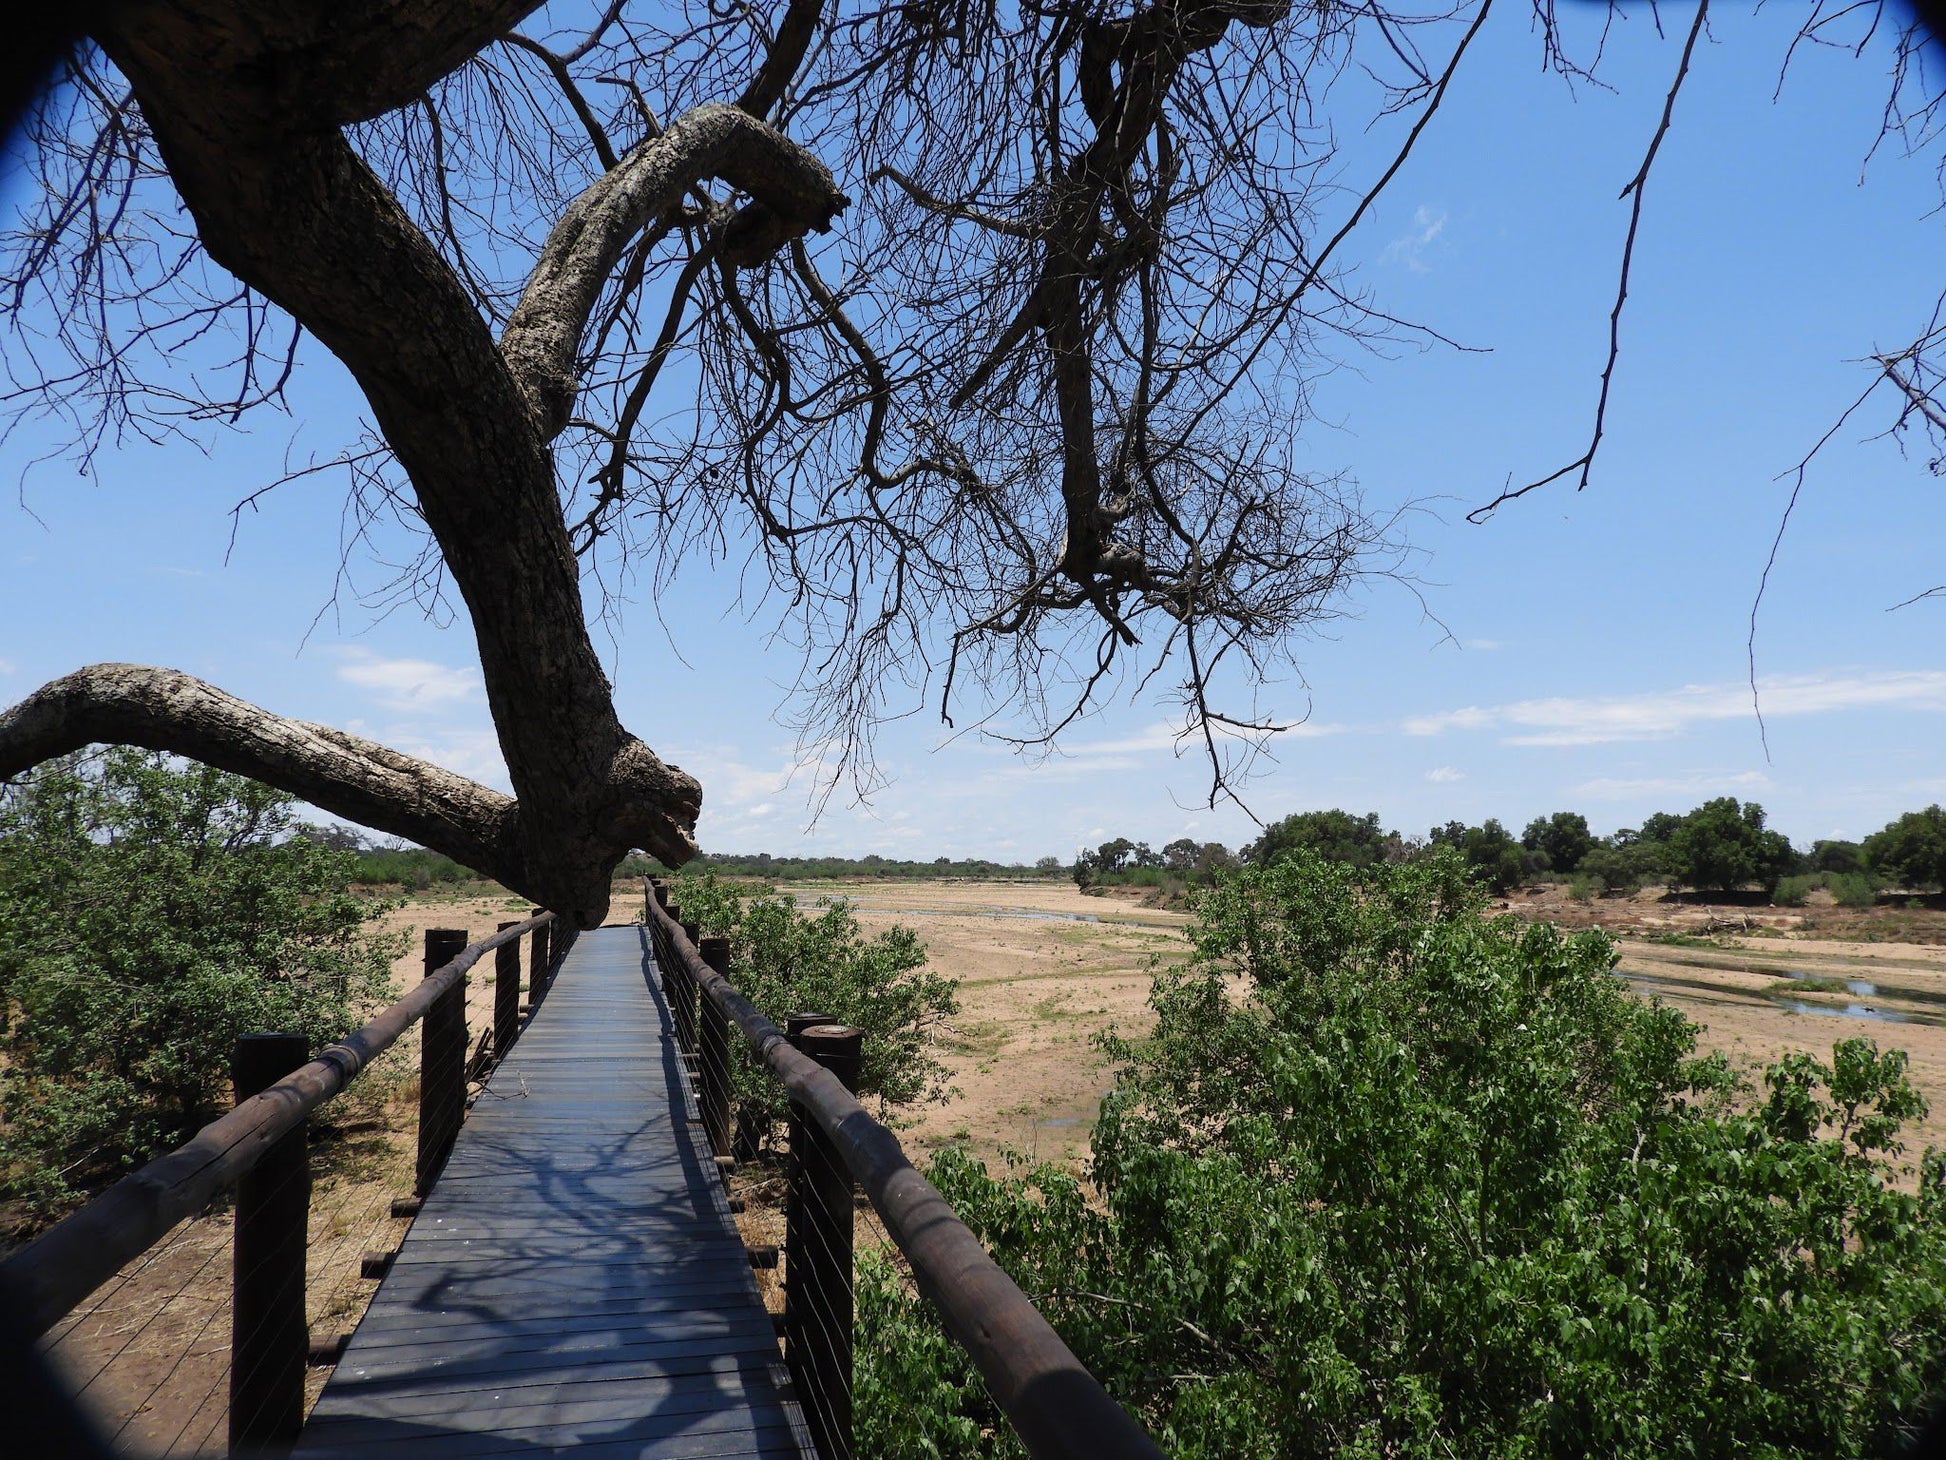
{"x": 1723, "y": 845}
{"x": 1429, "y": 1184}
{"x": 1854, "y": 890}
{"x": 785, "y": 961}
{"x": 914, "y": 1391}
{"x": 1489, "y": 850}
{"x": 149, "y": 915}
{"x": 1836, "y": 856}
{"x": 1619, "y": 868}
{"x": 1911, "y": 851}
{"x": 413, "y": 869}
{"x": 1562, "y": 839}
{"x": 847, "y": 869}
{"x": 1792, "y": 891}
{"x": 1123, "y": 863}
{"x": 1337, "y": 836}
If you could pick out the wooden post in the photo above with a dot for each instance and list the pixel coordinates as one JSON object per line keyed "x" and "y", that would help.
{"x": 713, "y": 1044}
{"x": 537, "y": 961}
{"x": 268, "y": 1337}
{"x": 442, "y": 1061}
{"x": 506, "y": 995}
{"x": 818, "y": 1279}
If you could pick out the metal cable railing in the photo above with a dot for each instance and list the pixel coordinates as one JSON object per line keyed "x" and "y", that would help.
{"x": 1055, "y": 1405}
{"x": 259, "y": 1149}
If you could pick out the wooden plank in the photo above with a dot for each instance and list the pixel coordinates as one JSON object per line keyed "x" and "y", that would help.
{"x": 574, "y": 1283}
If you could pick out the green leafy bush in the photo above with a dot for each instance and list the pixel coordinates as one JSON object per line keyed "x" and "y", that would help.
{"x": 1910, "y": 852}
{"x": 149, "y": 915}
{"x": 1723, "y": 845}
{"x": 1337, "y": 836}
{"x": 1793, "y": 891}
{"x": 1491, "y": 851}
{"x": 1619, "y": 869}
{"x": 785, "y": 961}
{"x": 1428, "y": 1184}
{"x": 1560, "y": 840}
{"x": 1853, "y": 889}
{"x": 415, "y": 869}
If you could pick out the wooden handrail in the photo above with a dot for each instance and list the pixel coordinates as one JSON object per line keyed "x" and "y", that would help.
{"x": 50, "y": 1275}
{"x": 1056, "y": 1406}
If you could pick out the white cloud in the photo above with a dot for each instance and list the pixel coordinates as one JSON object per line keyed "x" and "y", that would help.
{"x": 1664, "y": 714}
{"x": 409, "y": 684}
{"x": 1410, "y": 247}
{"x": 7, "y": 666}
{"x": 1484, "y": 646}
{"x": 1705, "y": 783}
{"x": 1441, "y": 775}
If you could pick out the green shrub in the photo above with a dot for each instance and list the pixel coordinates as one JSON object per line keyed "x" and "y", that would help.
{"x": 1723, "y": 845}
{"x": 1793, "y": 891}
{"x": 1910, "y": 852}
{"x": 1853, "y": 889}
{"x": 1619, "y": 869}
{"x": 149, "y": 915}
{"x": 1581, "y": 887}
{"x": 785, "y": 961}
{"x": 1427, "y": 1184}
{"x": 1561, "y": 840}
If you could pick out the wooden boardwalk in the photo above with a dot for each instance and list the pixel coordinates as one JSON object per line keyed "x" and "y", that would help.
{"x": 574, "y": 1282}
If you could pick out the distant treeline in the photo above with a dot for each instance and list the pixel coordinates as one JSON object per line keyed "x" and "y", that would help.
{"x": 762, "y": 864}
{"x": 1721, "y": 846}
{"x": 417, "y": 868}
{"x": 413, "y": 868}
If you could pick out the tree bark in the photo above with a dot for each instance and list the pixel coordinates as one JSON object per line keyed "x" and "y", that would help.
{"x": 245, "y": 101}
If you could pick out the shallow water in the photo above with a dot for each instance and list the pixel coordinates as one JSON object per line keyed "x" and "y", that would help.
{"x": 1848, "y": 1011}
{"x": 1649, "y": 983}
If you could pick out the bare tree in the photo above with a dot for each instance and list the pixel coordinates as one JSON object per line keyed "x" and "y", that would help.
{"x": 1029, "y": 419}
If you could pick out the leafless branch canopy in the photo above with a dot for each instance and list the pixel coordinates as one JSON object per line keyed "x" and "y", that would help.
{"x": 977, "y": 338}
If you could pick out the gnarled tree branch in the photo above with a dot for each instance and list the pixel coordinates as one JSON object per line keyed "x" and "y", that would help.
{"x": 789, "y": 184}
{"x": 163, "y": 709}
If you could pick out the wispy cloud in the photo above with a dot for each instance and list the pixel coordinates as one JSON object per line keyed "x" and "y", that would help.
{"x": 1445, "y": 774}
{"x": 7, "y": 666}
{"x": 409, "y": 684}
{"x": 1703, "y": 783}
{"x": 1664, "y": 714}
{"x": 1409, "y": 249}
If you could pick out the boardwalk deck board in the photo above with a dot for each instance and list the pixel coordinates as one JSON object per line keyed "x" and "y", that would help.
{"x": 574, "y": 1282}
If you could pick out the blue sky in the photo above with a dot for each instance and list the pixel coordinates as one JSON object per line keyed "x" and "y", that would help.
{"x": 1581, "y": 651}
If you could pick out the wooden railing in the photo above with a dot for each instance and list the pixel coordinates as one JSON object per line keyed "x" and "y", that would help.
{"x": 1055, "y": 1405}
{"x": 259, "y": 1148}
